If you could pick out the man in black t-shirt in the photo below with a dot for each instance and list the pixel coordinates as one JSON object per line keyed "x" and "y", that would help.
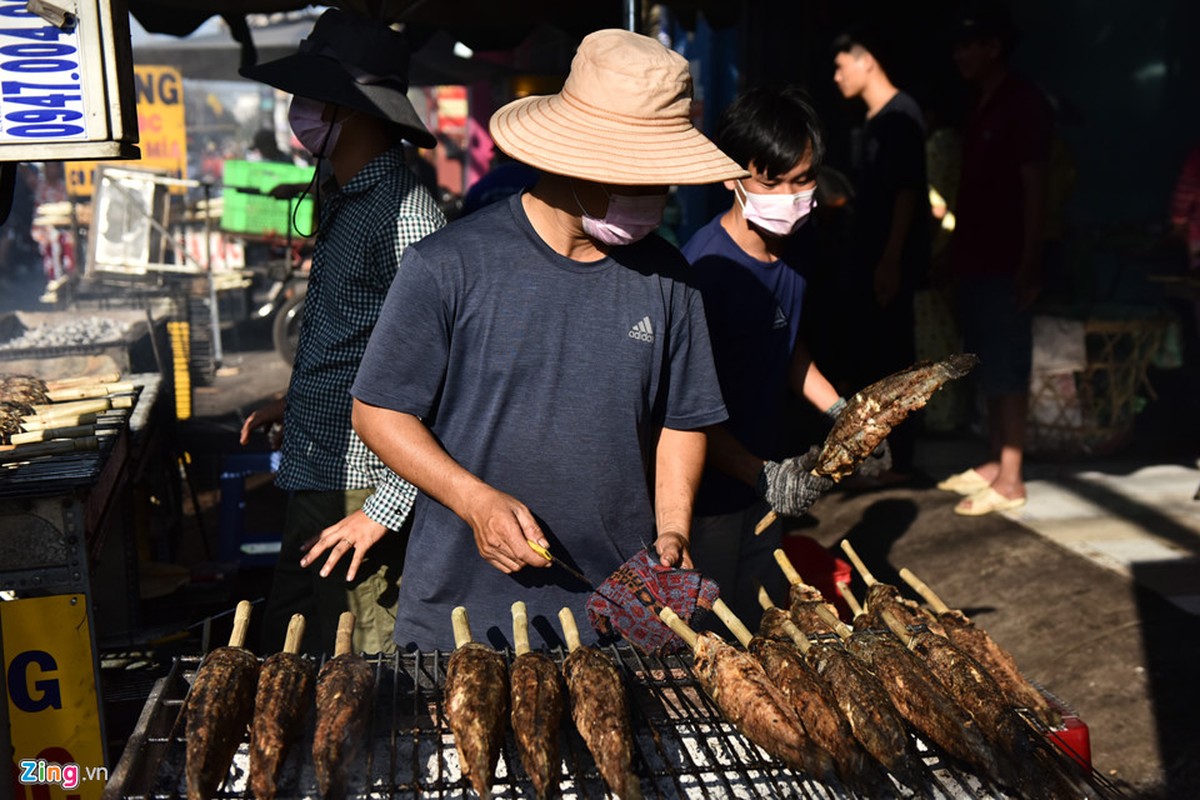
{"x": 891, "y": 246}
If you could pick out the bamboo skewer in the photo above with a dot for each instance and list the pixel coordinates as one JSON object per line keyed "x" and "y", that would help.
{"x": 294, "y": 635}
{"x": 848, "y": 549}
{"x": 82, "y": 380}
{"x": 842, "y": 629}
{"x": 520, "y": 618}
{"x": 801, "y": 641}
{"x": 37, "y": 423}
{"x": 344, "y": 638}
{"x": 461, "y": 625}
{"x": 241, "y": 623}
{"x": 49, "y": 434}
{"x": 844, "y": 590}
{"x": 921, "y": 588}
{"x": 20, "y": 452}
{"x": 89, "y": 391}
{"x": 731, "y": 621}
{"x": 789, "y": 570}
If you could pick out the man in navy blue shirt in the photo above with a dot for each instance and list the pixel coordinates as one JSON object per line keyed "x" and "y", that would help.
{"x": 751, "y": 263}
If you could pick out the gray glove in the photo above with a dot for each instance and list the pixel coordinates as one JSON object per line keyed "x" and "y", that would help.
{"x": 879, "y": 462}
{"x": 789, "y": 486}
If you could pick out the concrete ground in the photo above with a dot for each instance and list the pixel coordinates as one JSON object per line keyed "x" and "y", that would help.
{"x": 1092, "y": 585}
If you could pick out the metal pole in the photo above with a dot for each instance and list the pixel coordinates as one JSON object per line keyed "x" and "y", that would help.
{"x": 213, "y": 311}
{"x": 631, "y": 15}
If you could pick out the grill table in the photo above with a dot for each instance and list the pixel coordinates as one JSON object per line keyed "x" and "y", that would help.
{"x": 682, "y": 745}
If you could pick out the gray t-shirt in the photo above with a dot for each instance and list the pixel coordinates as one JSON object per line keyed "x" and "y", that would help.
{"x": 548, "y": 379}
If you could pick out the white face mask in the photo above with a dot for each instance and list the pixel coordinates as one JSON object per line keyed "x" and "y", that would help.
{"x": 776, "y": 214}
{"x": 628, "y": 218}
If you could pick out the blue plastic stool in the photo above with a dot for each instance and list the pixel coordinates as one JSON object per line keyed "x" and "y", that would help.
{"x": 248, "y": 548}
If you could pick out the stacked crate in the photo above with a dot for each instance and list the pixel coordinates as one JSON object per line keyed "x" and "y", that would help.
{"x": 248, "y": 206}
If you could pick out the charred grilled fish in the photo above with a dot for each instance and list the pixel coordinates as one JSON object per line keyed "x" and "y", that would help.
{"x": 219, "y": 707}
{"x": 872, "y": 717}
{"x": 1027, "y": 766}
{"x": 872, "y": 413}
{"x": 345, "y": 689}
{"x": 285, "y": 687}
{"x": 999, "y": 663}
{"x": 886, "y": 597}
{"x": 920, "y": 698}
{"x": 823, "y": 721}
{"x": 537, "y": 707}
{"x": 600, "y": 711}
{"x": 476, "y": 704}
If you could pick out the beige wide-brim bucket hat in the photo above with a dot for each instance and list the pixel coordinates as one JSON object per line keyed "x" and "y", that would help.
{"x": 622, "y": 117}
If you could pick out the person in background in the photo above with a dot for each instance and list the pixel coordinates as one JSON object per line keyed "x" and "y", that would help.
{"x": 542, "y": 370}
{"x": 891, "y": 235}
{"x": 266, "y": 147}
{"x": 1185, "y": 206}
{"x": 997, "y": 250}
{"x": 751, "y": 263}
{"x": 375, "y": 211}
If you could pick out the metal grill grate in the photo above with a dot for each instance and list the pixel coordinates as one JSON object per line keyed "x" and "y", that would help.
{"x": 682, "y": 746}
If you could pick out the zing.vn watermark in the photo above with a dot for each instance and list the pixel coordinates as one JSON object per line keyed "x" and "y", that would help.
{"x": 68, "y": 776}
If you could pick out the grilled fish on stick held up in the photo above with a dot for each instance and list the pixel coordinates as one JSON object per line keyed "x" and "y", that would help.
{"x": 537, "y": 707}
{"x": 476, "y": 704}
{"x": 345, "y": 689}
{"x": 219, "y": 708}
{"x": 285, "y": 688}
{"x": 871, "y": 414}
{"x": 600, "y": 710}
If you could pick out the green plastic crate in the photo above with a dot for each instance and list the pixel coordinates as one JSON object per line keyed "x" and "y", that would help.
{"x": 263, "y": 176}
{"x": 257, "y": 213}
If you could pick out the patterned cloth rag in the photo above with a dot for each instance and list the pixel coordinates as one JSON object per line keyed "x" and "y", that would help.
{"x": 628, "y": 602}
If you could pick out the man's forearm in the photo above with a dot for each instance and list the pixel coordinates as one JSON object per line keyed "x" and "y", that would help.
{"x": 679, "y": 460}
{"x": 405, "y": 445}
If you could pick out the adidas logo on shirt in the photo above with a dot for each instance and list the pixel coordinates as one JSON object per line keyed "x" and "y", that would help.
{"x": 642, "y": 331}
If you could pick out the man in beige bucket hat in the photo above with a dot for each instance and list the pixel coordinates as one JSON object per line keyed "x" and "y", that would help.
{"x": 541, "y": 371}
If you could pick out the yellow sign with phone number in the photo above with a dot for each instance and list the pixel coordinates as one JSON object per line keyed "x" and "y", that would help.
{"x": 53, "y": 709}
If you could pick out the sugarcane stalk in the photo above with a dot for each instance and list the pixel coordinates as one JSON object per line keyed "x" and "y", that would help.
{"x": 848, "y": 549}
{"x": 921, "y": 588}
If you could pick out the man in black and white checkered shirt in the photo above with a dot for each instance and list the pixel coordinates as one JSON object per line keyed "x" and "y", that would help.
{"x": 349, "y": 78}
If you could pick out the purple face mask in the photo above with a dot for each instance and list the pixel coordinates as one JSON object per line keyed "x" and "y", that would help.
{"x": 318, "y": 136}
{"x": 628, "y": 218}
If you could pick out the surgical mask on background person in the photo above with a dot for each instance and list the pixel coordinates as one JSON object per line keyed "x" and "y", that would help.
{"x": 318, "y": 136}
{"x": 776, "y": 214}
{"x": 628, "y": 218}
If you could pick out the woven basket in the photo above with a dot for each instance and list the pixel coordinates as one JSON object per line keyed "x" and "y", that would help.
{"x": 1094, "y": 408}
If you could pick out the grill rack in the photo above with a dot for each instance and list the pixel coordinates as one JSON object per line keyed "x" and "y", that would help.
{"x": 683, "y": 747}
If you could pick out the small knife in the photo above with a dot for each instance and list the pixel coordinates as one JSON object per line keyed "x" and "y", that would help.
{"x": 544, "y": 553}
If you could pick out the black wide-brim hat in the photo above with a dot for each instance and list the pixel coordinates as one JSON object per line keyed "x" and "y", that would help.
{"x": 353, "y": 62}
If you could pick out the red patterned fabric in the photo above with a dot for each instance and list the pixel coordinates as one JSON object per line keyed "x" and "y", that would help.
{"x": 627, "y": 604}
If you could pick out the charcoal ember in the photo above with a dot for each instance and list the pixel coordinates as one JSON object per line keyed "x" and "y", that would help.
{"x": 68, "y": 333}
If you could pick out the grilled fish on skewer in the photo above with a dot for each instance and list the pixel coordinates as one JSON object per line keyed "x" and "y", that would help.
{"x": 1034, "y": 773}
{"x": 999, "y": 663}
{"x": 537, "y": 707}
{"x": 600, "y": 711}
{"x": 918, "y": 696}
{"x": 285, "y": 686}
{"x": 345, "y": 689}
{"x": 24, "y": 389}
{"x": 872, "y": 413}
{"x": 884, "y": 596}
{"x": 746, "y": 696}
{"x": 863, "y": 701}
{"x": 813, "y": 702}
{"x": 476, "y": 704}
{"x": 219, "y": 707}
{"x": 803, "y": 600}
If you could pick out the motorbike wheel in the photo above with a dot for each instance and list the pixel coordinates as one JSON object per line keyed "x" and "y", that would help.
{"x": 285, "y": 331}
